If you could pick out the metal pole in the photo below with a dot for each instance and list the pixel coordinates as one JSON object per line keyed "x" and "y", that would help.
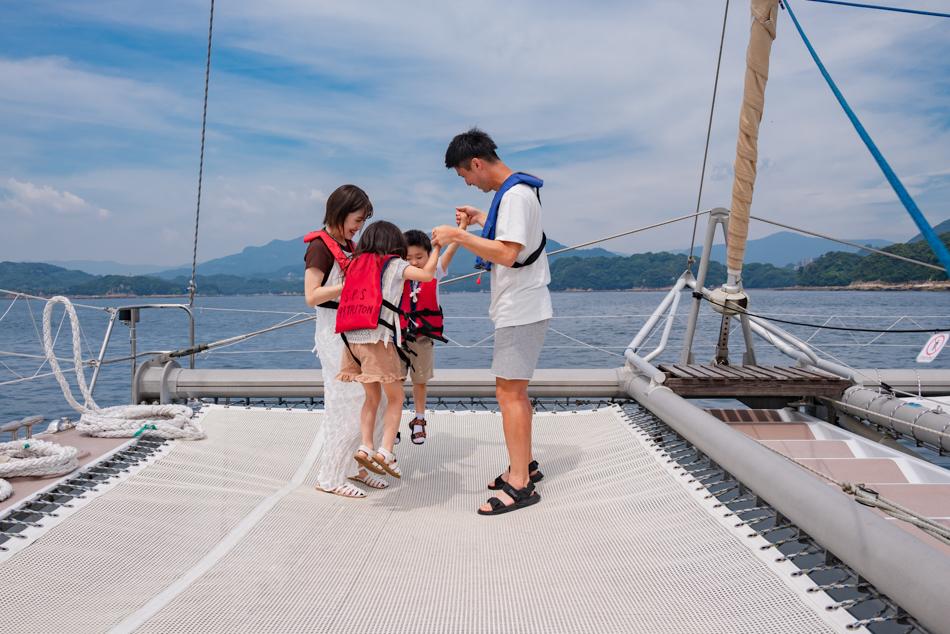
{"x": 132, "y": 349}
{"x": 191, "y": 335}
{"x": 717, "y": 216}
{"x": 669, "y": 323}
{"x": 749, "y": 357}
{"x": 655, "y": 317}
{"x": 102, "y": 350}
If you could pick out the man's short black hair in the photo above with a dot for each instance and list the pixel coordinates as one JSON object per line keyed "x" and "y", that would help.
{"x": 416, "y": 238}
{"x": 472, "y": 144}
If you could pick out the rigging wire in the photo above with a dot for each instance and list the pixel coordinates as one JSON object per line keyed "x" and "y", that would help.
{"x": 741, "y": 311}
{"x": 192, "y": 283}
{"x": 862, "y": 247}
{"x": 712, "y": 109}
{"x": 587, "y": 244}
{"x": 939, "y": 249}
{"x": 861, "y": 5}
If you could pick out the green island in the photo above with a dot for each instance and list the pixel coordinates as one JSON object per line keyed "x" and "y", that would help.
{"x": 588, "y": 272}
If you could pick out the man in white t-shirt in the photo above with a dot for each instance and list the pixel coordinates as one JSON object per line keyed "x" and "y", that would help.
{"x": 512, "y": 248}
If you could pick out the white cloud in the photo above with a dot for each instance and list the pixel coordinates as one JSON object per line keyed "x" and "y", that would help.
{"x": 44, "y": 92}
{"x": 43, "y": 202}
{"x": 371, "y": 92}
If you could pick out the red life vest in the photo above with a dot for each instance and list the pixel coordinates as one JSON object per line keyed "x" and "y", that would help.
{"x": 423, "y": 315}
{"x": 333, "y": 246}
{"x": 362, "y": 298}
{"x": 342, "y": 258}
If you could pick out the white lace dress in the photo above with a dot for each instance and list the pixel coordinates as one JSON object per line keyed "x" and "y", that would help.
{"x": 340, "y": 431}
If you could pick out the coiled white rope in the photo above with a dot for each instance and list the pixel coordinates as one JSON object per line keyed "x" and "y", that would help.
{"x": 33, "y": 457}
{"x": 122, "y": 421}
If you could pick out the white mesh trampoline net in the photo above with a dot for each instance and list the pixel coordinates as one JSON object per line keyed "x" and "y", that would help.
{"x": 219, "y": 536}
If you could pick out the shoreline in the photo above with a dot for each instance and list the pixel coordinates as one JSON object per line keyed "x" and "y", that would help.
{"x": 861, "y": 286}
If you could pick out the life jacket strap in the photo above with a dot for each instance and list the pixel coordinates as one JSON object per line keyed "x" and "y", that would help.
{"x": 534, "y": 255}
{"x": 424, "y": 328}
{"x": 399, "y": 349}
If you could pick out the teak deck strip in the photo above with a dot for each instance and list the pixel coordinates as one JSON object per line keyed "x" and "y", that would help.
{"x": 783, "y": 372}
{"x": 742, "y": 373}
{"x": 724, "y": 381}
{"x": 799, "y": 373}
{"x": 769, "y": 372}
{"x": 724, "y": 371}
{"x": 687, "y": 372}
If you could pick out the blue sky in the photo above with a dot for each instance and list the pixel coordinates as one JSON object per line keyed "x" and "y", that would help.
{"x": 100, "y": 111}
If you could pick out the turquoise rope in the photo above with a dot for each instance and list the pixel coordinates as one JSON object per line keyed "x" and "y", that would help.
{"x": 861, "y": 5}
{"x": 925, "y": 229}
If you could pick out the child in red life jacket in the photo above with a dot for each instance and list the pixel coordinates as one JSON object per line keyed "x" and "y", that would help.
{"x": 421, "y": 323}
{"x": 368, "y": 322}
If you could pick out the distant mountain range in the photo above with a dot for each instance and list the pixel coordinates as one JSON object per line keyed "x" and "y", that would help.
{"x": 786, "y": 247}
{"x": 595, "y": 269}
{"x": 943, "y": 227}
{"x": 108, "y": 267}
{"x": 277, "y": 267}
{"x": 283, "y": 259}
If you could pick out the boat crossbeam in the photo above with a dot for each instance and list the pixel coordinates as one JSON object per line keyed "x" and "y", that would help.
{"x": 171, "y": 383}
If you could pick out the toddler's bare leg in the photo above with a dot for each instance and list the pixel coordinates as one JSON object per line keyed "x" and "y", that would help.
{"x": 394, "y": 398}
{"x": 368, "y": 413}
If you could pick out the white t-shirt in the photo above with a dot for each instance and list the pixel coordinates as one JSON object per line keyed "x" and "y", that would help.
{"x": 520, "y": 296}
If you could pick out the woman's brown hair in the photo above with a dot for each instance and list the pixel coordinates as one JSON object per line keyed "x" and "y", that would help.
{"x": 345, "y": 200}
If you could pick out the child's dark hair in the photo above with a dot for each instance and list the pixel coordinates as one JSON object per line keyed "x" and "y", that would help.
{"x": 468, "y": 145}
{"x": 382, "y": 238}
{"x": 344, "y": 200}
{"x": 416, "y": 238}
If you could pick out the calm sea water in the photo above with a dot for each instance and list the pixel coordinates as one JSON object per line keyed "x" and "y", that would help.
{"x": 590, "y": 330}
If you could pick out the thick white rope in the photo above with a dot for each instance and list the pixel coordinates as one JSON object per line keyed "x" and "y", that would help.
{"x": 122, "y": 421}
{"x": 33, "y": 457}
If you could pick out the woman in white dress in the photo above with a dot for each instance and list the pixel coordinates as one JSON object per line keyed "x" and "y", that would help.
{"x": 348, "y": 207}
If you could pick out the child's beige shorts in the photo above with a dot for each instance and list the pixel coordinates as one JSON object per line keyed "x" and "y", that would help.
{"x": 423, "y": 360}
{"x": 371, "y": 363}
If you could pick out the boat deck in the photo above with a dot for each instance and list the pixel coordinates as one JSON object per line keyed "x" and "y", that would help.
{"x": 716, "y": 381}
{"x": 228, "y": 534}
{"x": 90, "y": 450}
{"x": 838, "y": 456}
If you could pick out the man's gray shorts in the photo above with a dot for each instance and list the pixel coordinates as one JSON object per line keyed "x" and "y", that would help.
{"x": 517, "y": 349}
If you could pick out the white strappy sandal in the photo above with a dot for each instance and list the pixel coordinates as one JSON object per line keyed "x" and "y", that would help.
{"x": 370, "y": 480}
{"x": 364, "y": 456}
{"x": 345, "y": 490}
{"x": 387, "y": 461}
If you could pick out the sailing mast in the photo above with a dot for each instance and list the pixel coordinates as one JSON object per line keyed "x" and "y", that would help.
{"x": 732, "y": 296}
{"x": 764, "y": 15}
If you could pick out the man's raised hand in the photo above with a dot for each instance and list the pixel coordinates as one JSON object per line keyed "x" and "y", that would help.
{"x": 444, "y": 235}
{"x": 469, "y": 215}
